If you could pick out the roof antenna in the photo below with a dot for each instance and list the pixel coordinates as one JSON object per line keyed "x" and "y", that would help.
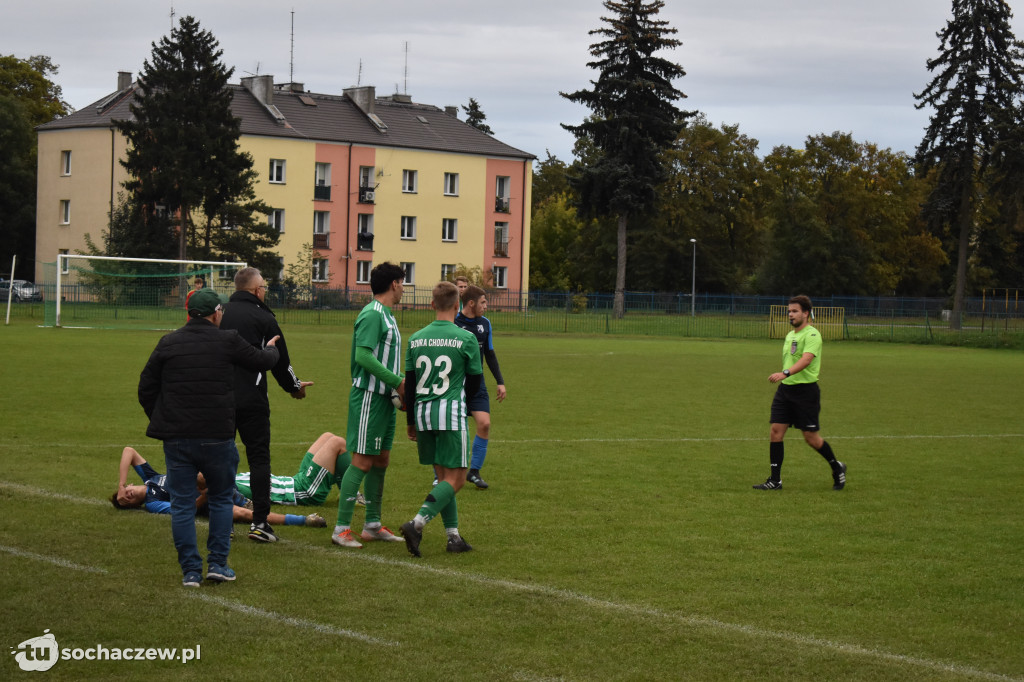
{"x": 291, "y": 61}
{"x": 359, "y": 78}
{"x": 172, "y": 16}
{"x": 405, "y": 82}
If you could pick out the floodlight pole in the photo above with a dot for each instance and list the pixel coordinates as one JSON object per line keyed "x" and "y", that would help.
{"x": 693, "y": 282}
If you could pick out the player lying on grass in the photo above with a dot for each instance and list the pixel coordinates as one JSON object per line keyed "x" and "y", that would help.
{"x": 309, "y": 487}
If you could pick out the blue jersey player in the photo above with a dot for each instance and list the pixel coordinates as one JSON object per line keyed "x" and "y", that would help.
{"x": 471, "y": 318}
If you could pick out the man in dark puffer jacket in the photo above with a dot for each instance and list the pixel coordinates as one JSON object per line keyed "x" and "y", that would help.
{"x": 187, "y": 391}
{"x": 248, "y": 314}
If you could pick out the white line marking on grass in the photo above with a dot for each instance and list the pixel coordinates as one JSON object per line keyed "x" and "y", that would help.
{"x": 41, "y": 492}
{"x": 288, "y": 620}
{"x": 691, "y": 621}
{"x": 757, "y": 439}
{"x": 56, "y": 561}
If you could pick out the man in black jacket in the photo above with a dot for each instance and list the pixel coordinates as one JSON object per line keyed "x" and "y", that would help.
{"x": 187, "y": 391}
{"x": 247, "y": 313}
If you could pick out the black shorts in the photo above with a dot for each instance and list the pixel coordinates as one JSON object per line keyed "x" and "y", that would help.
{"x": 797, "y": 405}
{"x": 481, "y": 402}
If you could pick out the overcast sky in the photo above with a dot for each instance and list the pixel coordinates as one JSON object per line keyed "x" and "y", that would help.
{"x": 782, "y": 70}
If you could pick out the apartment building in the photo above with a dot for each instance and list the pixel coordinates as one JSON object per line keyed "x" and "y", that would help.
{"x": 364, "y": 179}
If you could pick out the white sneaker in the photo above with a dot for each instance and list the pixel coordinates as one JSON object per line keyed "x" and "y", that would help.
{"x": 381, "y": 533}
{"x": 360, "y": 499}
{"x": 345, "y": 539}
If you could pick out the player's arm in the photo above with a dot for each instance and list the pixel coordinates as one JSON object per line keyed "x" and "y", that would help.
{"x": 251, "y": 357}
{"x": 365, "y": 359}
{"x": 149, "y": 381}
{"x": 129, "y": 458}
{"x": 798, "y": 366}
{"x": 410, "y": 397}
{"x": 491, "y": 358}
{"x": 473, "y": 383}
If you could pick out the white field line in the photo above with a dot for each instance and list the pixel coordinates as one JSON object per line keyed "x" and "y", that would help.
{"x": 648, "y": 613}
{"x": 56, "y": 561}
{"x": 638, "y": 439}
{"x": 288, "y": 620}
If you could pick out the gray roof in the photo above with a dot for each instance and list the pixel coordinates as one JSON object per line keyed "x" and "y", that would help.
{"x": 325, "y": 118}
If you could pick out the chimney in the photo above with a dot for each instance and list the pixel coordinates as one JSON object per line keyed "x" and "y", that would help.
{"x": 452, "y": 111}
{"x": 364, "y": 96}
{"x": 124, "y": 80}
{"x": 262, "y": 88}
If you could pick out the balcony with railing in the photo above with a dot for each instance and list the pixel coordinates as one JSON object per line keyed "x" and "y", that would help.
{"x": 500, "y": 247}
{"x": 364, "y": 241}
{"x": 321, "y": 240}
{"x": 502, "y": 205}
{"x": 321, "y": 192}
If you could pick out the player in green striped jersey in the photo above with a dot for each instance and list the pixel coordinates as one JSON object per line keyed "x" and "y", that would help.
{"x": 376, "y": 367}
{"x": 442, "y": 366}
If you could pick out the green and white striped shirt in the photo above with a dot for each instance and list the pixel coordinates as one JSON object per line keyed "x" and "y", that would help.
{"x": 377, "y": 330}
{"x": 442, "y": 355}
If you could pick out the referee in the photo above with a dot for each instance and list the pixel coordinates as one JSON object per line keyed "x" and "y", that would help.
{"x": 798, "y": 399}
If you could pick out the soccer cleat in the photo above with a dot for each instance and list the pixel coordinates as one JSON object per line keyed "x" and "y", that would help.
{"x": 457, "y": 544}
{"x": 315, "y": 521}
{"x": 345, "y": 539}
{"x": 380, "y": 533}
{"x": 262, "y": 532}
{"x": 474, "y": 477}
{"x": 769, "y": 485}
{"x": 412, "y": 538}
{"x": 839, "y": 476}
{"x": 220, "y": 574}
{"x": 191, "y": 579}
{"x": 360, "y": 499}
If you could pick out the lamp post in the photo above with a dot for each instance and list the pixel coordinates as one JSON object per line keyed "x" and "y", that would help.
{"x": 693, "y": 282}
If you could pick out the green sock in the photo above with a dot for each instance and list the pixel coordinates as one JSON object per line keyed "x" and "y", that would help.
{"x": 374, "y": 488}
{"x": 450, "y": 514}
{"x": 341, "y": 465}
{"x": 439, "y": 498}
{"x": 349, "y": 486}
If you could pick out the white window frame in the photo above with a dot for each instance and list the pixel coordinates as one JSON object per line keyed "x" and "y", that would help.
{"x": 447, "y": 270}
{"x": 322, "y": 174}
{"x": 363, "y": 268}
{"x": 366, "y": 174}
{"x": 364, "y": 220}
{"x": 276, "y": 219}
{"x": 408, "y": 227}
{"x": 410, "y": 181}
{"x": 500, "y": 273}
{"x": 451, "y": 184}
{"x": 449, "y": 229}
{"x": 410, "y": 273}
{"x": 65, "y": 211}
{"x": 321, "y": 270}
{"x": 65, "y": 162}
{"x": 321, "y": 222}
{"x": 278, "y": 171}
{"x": 63, "y": 261}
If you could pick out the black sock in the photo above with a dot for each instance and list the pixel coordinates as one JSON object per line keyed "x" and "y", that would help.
{"x": 826, "y": 451}
{"x": 775, "y": 454}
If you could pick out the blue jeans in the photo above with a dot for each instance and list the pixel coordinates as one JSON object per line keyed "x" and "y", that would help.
{"x": 218, "y": 462}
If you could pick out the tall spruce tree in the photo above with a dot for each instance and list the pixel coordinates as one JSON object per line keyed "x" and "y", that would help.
{"x": 977, "y": 82}
{"x": 183, "y": 140}
{"x": 475, "y": 116}
{"x": 634, "y": 120}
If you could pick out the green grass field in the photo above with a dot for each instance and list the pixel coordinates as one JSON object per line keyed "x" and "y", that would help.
{"x": 620, "y": 538}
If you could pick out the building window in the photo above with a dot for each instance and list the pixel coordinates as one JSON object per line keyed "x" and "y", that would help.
{"x": 364, "y": 237}
{"x": 65, "y": 211}
{"x": 408, "y": 227}
{"x": 366, "y": 176}
{"x": 65, "y": 162}
{"x": 319, "y": 269}
{"x": 277, "y": 171}
{"x": 409, "y": 178}
{"x": 502, "y": 200}
{"x": 321, "y": 229}
{"x": 363, "y": 268}
{"x": 63, "y": 261}
{"x": 449, "y": 230}
{"x": 322, "y": 182}
{"x": 451, "y": 184}
{"x": 501, "y": 239}
{"x": 410, "y": 272}
{"x": 500, "y": 277}
{"x": 447, "y": 272}
{"x": 276, "y": 219}
{"x": 367, "y": 186}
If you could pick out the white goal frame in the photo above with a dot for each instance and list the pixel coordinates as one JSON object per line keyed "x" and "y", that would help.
{"x": 62, "y": 259}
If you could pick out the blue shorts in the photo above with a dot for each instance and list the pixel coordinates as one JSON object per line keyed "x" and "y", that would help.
{"x": 481, "y": 402}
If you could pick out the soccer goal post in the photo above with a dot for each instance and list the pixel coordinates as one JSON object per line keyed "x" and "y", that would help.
{"x": 111, "y": 292}
{"x": 831, "y": 322}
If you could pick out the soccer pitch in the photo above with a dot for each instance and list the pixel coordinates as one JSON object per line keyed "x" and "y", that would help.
{"x": 620, "y": 538}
